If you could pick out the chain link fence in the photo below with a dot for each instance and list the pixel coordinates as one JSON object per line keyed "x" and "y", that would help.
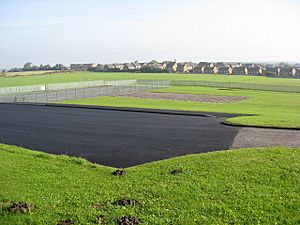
{"x": 107, "y": 89}
{"x": 63, "y": 86}
{"x": 261, "y": 87}
{"x": 89, "y": 89}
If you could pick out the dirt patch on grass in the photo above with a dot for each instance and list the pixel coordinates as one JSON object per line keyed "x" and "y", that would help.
{"x": 176, "y": 171}
{"x": 66, "y": 222}
{"x": 119, "y": 173}
{"x": 186, "y": 97}
{"x": 21, "y": 207}
{"x": 127, "y": 202}
{"x": 259, "y": 137}
{"x": 128, "y": 220}
{"x": 101, "y": 220}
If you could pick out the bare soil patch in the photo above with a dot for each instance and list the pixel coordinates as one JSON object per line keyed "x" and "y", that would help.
{"x": 21, "y": 207}
{"x": 66, "y": 222}
{"x": 186, "y": 97}
{"x": 127, "y": 202}
{"x": 259, "y": 137}
{"x": 119, "y": 173}
{"x": 176, "y": 171}
{"x": 128, "y": 220}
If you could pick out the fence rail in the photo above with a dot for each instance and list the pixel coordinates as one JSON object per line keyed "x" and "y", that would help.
{"x": 63, "y": 86}
{"x": 115, "y": 89}
{"x": 88, "y": 89}
{"x": 262, "y": 87}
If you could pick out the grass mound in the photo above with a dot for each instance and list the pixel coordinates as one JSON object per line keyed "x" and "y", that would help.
{"x": 248, "y": 186}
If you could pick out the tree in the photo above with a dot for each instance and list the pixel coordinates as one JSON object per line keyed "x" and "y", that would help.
{"x": 27, "y": 66}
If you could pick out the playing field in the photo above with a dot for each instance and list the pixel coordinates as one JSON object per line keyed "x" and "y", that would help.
{"x": 277, "y": 109}
{"x": 88, "y": 76}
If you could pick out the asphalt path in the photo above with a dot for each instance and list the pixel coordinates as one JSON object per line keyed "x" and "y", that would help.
{"x": 117, "y": 138}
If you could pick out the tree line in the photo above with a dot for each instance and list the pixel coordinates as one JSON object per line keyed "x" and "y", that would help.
{"x": 30, "y": 67}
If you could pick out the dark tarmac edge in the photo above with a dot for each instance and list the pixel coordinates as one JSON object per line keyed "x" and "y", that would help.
{"x": 261, "y": 127}
{"x": 141, "y": 110}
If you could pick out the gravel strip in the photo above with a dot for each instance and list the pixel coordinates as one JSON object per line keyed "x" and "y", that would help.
{"x": 258, "y": 137}
{"x": 186, "y": 97}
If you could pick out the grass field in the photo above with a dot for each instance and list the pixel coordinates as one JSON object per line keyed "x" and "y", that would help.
{"x": 29, "y": 73}
{"x": 249, "y": 186}
{"x": 88, "y": 76}
{"x": 275, "y": 109}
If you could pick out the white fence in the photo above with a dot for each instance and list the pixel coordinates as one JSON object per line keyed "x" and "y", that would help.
{"x": 64, "y": 86}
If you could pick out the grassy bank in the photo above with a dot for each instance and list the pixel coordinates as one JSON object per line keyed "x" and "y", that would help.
{"x": 250, "y": 186}
{"x": 275, "y": 109}
{"x": 88, "y": 76}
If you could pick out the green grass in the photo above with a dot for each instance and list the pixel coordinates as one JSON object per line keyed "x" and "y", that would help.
{"x": 248, "y": 186}
{"x": 272, "y": 109}
{"x": 87, "y": 76}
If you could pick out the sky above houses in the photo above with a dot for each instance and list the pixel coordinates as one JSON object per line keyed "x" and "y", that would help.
{"x": 107, "y": 31}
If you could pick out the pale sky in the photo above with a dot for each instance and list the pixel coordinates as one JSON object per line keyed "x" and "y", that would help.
{"x": 107, "y": 31}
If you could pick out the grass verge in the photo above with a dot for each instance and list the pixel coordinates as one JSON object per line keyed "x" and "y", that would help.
{"x": 248, "y": 186}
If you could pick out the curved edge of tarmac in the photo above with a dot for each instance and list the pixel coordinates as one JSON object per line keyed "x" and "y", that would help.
{"x": 142, "y": 110}
{"x": 261, "y": 127}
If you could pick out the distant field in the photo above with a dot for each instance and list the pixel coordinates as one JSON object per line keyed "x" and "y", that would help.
{"x": 88, "y": 76}
{"x": 272, "y": 108}
{"x": 29, "y": 73}
{"x": 248, "y": 186}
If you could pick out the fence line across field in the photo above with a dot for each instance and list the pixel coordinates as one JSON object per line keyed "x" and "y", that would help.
{"x": 156, "y": 83}
{"x": 260, "y": 87}
{"x": 63, "y": 86}
{"x": 80, "y": 93}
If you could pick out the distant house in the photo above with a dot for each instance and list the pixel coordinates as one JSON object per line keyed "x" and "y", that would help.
{"x": 219, "y": 64}
{"x": 99, "y": 68}
{"x": 272, "y": 71}
{"x": 186, "y": 67}
{"x": 119, "y": 66}
{"x": 83, "y": 67}
{"x": 204, "y": 64}
{"x": 254, "y": 71}
{"x": 137, "y": 66}
{"x": 221, "y": 70}
{"x": 208, "y": 70}
{"x": 296, "y": 71}
{"x": 170, "y": 66}
{"x": 239, "y": 70}
{"x": 109, "y": 68}
{"x": 156, "y": 66}
{"x": 286, "y": 72}
{"x": 128, "y": 67}
{"x": 198, "y": 68}
{"x": 152, "y": 68}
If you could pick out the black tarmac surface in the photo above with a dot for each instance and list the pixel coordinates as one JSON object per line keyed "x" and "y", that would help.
{"x": 118, "y": 138}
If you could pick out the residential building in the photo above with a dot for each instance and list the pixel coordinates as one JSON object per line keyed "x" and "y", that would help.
{"x": 198, "y": 68}
{"x": 241, "y": 70}
{"x": 186, "y": 67}
{"x": 254, "y": 71}
{"x": 221, "y": 70}
{"x": 208, "y": 70}
{"x": 119, "y": 66}
{"x": 171, "y": 67}
{"x": 286, "y": 72}
{"x": 128, "y": 67}
{"x": 137, "y": 66}
{"x": 272, "y": 71}
{"x": 83, "y": 67}
{"x": 110, "y": 68}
